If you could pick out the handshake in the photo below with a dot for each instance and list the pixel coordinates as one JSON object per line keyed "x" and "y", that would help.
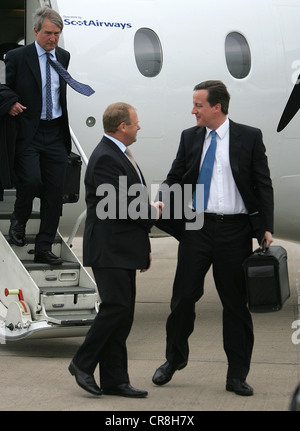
{"x": 159, "y": 206}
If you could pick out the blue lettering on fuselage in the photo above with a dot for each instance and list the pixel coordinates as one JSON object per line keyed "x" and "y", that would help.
{"x": 96, "y": 23}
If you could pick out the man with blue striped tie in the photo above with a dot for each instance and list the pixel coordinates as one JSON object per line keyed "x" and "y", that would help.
{"x": 43, "y": 140}
{"x": 229, "y": 160}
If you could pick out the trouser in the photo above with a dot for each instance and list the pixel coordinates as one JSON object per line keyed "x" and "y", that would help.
{"x": 40, "y": 171}
{"x": 224, "y": 244}
{"x": 105, "y": 343}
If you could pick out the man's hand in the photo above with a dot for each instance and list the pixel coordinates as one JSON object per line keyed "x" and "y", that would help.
{"x": 159, "y": 206}
{"x": 268, "y": 238}
{"x": 16, "y": 109}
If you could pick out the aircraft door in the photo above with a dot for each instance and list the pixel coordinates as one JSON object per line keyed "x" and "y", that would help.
{"x": 16, "y": 26}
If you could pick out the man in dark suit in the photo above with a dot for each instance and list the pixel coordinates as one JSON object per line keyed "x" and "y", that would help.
{"x": 239, "y": 206}
{"x": 43, "y": 144}
{"x": 115, "y": 245}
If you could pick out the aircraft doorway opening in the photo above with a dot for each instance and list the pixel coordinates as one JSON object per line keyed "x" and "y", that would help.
{"x": 16, "y": 26}
{"x": 12, "y": 25}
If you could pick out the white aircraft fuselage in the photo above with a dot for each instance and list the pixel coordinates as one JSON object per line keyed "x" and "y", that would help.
{"x": 194, "y": 42}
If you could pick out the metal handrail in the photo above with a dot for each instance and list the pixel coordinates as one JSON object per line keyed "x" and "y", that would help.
{"x": 83, "y": 214}
{"x": 79, "y": 147}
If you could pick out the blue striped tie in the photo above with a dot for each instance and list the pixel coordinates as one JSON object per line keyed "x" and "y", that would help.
{"x": 206, "y": 172}
{"x": 77, "y": 86}
{"x": 49, "y": 104}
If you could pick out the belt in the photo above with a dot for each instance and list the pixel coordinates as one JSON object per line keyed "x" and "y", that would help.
{"x": 53, "y": 121}
{"x": 220, "y": 218}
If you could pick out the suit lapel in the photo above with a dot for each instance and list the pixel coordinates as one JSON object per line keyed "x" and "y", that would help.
{"x": 60, "y": 57}
{"x": 33, "y": 63}
{"x": 235, "y": 145}
{"x": 124, "y": 158}
{"x": 198, "y": 142}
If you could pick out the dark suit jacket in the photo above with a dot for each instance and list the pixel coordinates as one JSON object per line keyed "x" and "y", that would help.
{"x": 114, "y": 242}
{"x": 250, "y": 171}
{"x": 24, "y": 77}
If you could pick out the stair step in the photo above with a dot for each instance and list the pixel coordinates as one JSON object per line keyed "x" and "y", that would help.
{"x": 32, "y": 226}
{"x": 44, "y": 275}
{"x": 27, "y": 252}
{"x": 30, "y": 239}
{"x": 35, "y": 266}
{"x": 5, "y": 215}
{"x": 9, "y": 192}
{"x": 71, "y": 300}
{"x": 72, "y": 320}
{"x": 66, "y": 290}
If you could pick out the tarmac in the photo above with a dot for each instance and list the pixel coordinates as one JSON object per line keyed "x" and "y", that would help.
{"x": 34, "y": 373}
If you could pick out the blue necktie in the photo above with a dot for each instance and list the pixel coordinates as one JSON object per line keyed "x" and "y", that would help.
{"x": 77, "y": 86}
{"x": 49, "y": 104}
{"x": 206, "y": 171}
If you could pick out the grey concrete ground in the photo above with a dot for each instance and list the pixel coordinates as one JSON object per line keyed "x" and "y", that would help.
{"x": 34, "y": 375}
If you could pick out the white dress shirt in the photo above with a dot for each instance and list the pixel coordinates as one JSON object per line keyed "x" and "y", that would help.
{"x": 224, "y": 197}
{"x": 55, "y": 87}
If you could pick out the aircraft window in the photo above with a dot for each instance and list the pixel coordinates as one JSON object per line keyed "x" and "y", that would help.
{"x": 148, "y": 52}
{"x": 238, "y": 55}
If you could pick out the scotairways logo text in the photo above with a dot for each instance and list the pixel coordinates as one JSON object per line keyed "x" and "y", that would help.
{"x": 95, "y": 23}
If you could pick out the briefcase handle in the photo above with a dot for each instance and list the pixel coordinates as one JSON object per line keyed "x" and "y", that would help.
{"x": 264, "y": 246}
{"x": 263, "y": 250}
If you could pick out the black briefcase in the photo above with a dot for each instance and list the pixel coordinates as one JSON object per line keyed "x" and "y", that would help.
{"x": 72, "y": 179}
{"x": 267, "y": 280}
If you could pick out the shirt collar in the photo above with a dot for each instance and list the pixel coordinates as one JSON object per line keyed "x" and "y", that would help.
{"x": 221, "y": 131}
{"x": 117, "y": 142}
{"x": 41, "y": 51}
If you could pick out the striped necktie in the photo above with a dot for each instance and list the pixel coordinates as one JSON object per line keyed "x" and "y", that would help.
{"x": 49, "y": 103}
{"x": 77, "y": 86}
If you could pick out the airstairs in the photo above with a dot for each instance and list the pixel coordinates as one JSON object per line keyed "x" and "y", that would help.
{"x": 41, "y": 300}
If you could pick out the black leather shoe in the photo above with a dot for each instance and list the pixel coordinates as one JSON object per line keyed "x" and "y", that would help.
{"x": 47, "y": 257}
{"x": 125, "y": 390}
{"x": 84, "y": 380}
{"x": 17, "y": 233}
{"x": 239, "y": 386}
{"x": 165, "y": 372}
